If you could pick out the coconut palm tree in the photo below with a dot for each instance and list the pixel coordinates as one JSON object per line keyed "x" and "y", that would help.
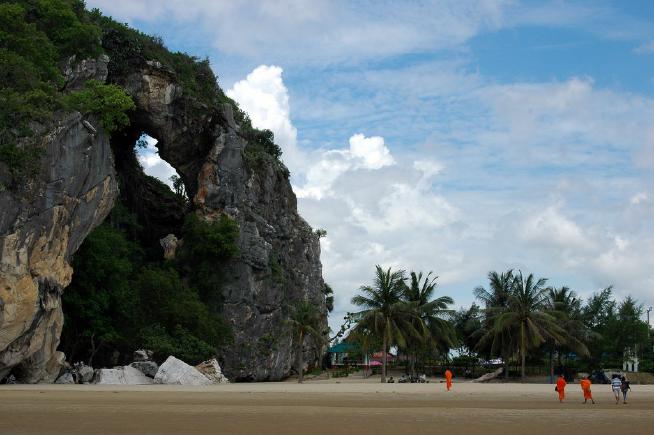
{"x": 496, "y": 300}
{"x": 384, "y": 312}
{"x": 429, "y": 315}
{"x": 527, "y": 316}
{"x": 305, "y": 321}
{"x": 564, "y": 305}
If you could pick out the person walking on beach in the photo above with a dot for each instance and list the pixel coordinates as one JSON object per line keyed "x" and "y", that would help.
{"x": 560, "y": 387}
{"x": 625, "y": 389}
{"x": 585, "y": 387}
{"x": 448, "y": 379}
{"x": 616, "y": 387}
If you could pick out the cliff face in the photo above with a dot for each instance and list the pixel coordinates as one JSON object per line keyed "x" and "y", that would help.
{"x": 40, "y": 229}
{"x": 76, "y": 187}
{"x": 279, "y": 259}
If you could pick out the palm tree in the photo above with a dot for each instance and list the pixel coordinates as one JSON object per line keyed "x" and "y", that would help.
{"x": 496, "y": 301}
{"x": 305, "y": 321}
{"x": 429, "y": 315}
{"x": 564, "y": 305}
{"x": 384, "y": 312}
{"x": 527, "y": 315}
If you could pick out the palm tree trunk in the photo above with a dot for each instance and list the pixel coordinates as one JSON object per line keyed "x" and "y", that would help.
{"x": 301, "y": 359}
{"x": 522, "y": 352}
{"x": 551, "y": 365}
{"x": 383, "y": 376}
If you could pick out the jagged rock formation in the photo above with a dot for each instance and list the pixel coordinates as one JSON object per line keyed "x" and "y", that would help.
{"x": 40, "y": 229}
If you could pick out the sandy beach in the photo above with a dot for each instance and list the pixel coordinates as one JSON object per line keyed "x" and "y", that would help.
{"x": 320, "y": 407}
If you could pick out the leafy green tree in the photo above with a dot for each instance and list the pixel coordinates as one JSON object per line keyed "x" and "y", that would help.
{"x": 329, "y": 297}
{"x": 384, "y": 312}
{"x": 207, "y": 246}
{"x": 110, "y": 102}
{"x": 178, "y": 186}
{"x": 599, "y": 315}
{"x": 631, "y": 330}
{"x": 467, "y": 323}
{"x": 101, "y": 304}
{"x": 305, "y": 322}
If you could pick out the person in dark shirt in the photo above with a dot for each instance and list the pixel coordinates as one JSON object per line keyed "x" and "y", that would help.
{"x": 625, "y": 389}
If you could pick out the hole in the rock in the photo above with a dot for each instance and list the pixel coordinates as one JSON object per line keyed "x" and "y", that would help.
{"x": 155, "y": 166}
{"x": 125, "y": 293}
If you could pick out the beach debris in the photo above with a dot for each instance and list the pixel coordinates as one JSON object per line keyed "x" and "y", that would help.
{"x": 176, "y": 371}
{"x": 211, "y": 369}
{"x": 488, "y": 376}
{"x": 149, "y": 368}
{"x": 126, "y": 375}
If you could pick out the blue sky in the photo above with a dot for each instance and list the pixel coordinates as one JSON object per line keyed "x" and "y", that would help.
{"x": 453, "y": 136}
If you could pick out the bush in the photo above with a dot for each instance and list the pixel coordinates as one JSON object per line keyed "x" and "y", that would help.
{"x": 180, "y": 343}
{"x": 109, "y": 102}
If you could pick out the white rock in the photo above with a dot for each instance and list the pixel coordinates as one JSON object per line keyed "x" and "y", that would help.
{"x": 211, "y": 369}
{"x": 175, "y": 371}
{"x": 121, "y": 376}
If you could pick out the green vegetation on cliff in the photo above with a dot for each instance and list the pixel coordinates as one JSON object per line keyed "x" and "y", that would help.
{"x": 37, "y": 38}
{"x": 123, "y": 298}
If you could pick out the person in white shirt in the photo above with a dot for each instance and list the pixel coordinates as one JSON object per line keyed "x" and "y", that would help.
{"x": 616, "y": 386}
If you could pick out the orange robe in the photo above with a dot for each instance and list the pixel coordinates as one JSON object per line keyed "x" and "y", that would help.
{"x": 560, "y": 388}
{"x": 585, "y": 387}
{"x": 448, "y": 379}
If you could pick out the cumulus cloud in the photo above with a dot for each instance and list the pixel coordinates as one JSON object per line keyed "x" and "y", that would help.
{"x": 264, "y": 97}
{"x": 364, "y": 153}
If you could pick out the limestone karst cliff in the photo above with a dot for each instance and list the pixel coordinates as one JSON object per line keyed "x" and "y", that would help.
{"x": 215, "y": 151}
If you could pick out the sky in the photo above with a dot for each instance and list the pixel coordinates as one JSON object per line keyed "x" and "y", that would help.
{"x": 457, "y": 137}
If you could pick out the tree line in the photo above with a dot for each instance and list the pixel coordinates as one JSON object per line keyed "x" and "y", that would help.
{"x": 516, "y": 317}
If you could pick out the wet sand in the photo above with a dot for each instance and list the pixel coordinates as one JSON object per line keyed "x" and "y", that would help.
{"x": 318, "y": 408}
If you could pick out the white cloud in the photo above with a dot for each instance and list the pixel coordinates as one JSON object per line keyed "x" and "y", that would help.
{"x": 264, "y": 97}
{"x": 369, "y": 152}
{"x": 286, "y": 30}
{"x": 364, "y": 153}
{"x": 645, "y": 48}
{"x": 551, "y": 226}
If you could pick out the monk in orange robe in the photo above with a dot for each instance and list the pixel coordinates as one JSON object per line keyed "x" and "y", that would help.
{"x": 448, "y": 379}
{"x": 585, "y": 387}
{"x": 560, "y": 387}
